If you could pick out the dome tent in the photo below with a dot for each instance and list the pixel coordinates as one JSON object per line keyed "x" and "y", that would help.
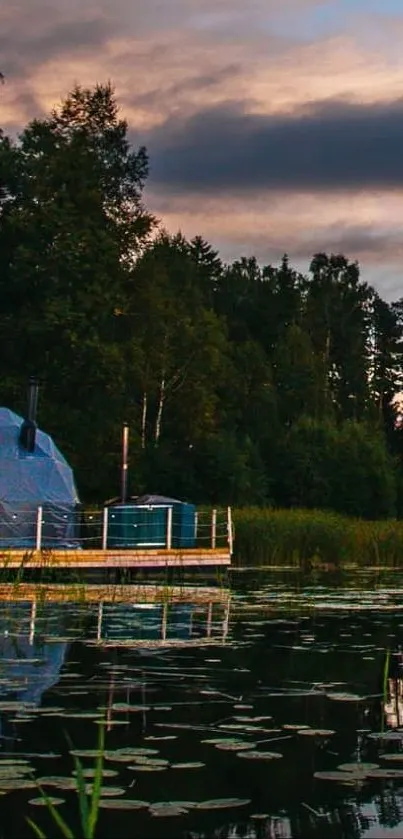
{"x": 37, "y": 476}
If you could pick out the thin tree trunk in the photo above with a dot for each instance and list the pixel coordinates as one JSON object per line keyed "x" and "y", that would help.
{"x": 144, "y": 420}
{"x": 161, "y": 401}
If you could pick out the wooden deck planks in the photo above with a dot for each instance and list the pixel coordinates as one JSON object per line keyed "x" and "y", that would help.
{"x": 104, "y": 559}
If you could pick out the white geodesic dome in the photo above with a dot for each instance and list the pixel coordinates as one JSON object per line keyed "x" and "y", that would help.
{"x": 29, "y": 480}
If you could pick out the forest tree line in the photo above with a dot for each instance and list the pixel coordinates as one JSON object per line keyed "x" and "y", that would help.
{"x": 242, "y": 384}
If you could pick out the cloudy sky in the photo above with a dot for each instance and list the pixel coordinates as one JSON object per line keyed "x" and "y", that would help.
{"x": 271, "y": 125}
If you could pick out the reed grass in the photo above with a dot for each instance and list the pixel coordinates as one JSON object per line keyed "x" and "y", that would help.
{"x": 88, "y": 805}
{"x": 314, "y": 538}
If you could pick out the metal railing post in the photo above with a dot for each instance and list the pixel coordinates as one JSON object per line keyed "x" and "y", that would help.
{"x": 169, "y": 528}
{"x": 39, "y": 528}
{"x": 213, "y": 528}
{"x": 105, "y": 529}
{"x": 230, "y": 531}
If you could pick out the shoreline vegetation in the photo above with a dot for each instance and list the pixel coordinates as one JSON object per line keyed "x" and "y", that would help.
{"x": 306, "y": 539}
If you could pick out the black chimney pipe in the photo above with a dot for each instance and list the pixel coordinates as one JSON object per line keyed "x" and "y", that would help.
{"x": 28, "y": 428}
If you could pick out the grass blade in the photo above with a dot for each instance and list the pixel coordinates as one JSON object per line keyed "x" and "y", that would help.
{"x": 38, "y": 832}
{"x": 82, "y": 795}
{"x": 57, "y": 818}
{"x": 97, "y": 784}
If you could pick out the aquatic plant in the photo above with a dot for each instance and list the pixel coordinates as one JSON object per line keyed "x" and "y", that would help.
{"x": 88, "y": 805}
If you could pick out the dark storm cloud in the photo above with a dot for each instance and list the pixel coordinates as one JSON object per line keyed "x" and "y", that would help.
{"x": 23, "y": 48}
{"x": 330, "y": 145}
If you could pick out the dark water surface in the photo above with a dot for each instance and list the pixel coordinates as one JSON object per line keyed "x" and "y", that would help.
{"x": 227, "y": 712}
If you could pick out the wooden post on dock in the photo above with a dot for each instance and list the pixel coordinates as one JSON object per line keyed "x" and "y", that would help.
{"x": 39, "y": 528}
{"x": 213, "y": 528}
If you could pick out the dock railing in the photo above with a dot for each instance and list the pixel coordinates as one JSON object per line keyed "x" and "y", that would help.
{"x": 92, "y": 529}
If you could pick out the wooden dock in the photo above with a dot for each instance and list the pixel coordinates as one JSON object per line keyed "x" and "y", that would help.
{"x": 114, "y": 559}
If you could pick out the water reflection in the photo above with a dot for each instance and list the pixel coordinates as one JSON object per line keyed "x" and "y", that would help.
{"x": 30, "y": 665}
{"x": 303, "y": 677}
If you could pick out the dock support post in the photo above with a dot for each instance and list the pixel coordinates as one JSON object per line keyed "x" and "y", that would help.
{"x": 230, "y": 531}
{"x": 105, "y": 529}
{"x": 213, "y": 528}
{"x": 169, "y": 528}
{"x": 39, "y": 528}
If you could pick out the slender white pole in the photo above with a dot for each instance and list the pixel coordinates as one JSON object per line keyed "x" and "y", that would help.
{"x": 105, "y": 529}
{"x": 209, "y": 619}
{"x": 196, "y": 524}
{"x": 213, "y": 528}
{"x": 32, "y": 623}
{"x": 39, "y": 528}
{"x": 230, "y": 531}
{"x": 169, "y": 528}
{"x": 164, "y": 622}
{"x": 225, "y": 625}
{"x": 99, "y": 625}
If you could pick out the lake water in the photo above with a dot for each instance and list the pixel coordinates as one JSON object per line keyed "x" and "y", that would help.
{"x": 227, "y": 711}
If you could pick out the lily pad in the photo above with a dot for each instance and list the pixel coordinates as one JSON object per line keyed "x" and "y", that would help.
{"x": 235, "y": 746}
{"x": 345, "y": 697}
{"x": 222, "y": 803}
{"x": 316, "y": 732}
{"x": 9, "y": 761}
{"x": 124, "y": 706}
{"x": 386, "y": 773}
{"x": 341, "y": 777}
{"x": 122, "y": 804}
{"x": 16, "y": 783}
{"x": 358, "y": 767}
{"x": 167, "y": 811}
{"x": 127, "y": 755}
{"x": 195, "y": 765}
{"x": 42, "y": 802}
{"x": 91, "y": 773}
{"x": 294, "y": 727}
{"x": 257, "y": 755}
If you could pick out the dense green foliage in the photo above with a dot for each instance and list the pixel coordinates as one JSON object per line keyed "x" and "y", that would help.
{"x": 242, "y": 384}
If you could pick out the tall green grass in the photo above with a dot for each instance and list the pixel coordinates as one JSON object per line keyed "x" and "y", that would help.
{"x": 306, "y": 538}
{"x": 88, "y": 805}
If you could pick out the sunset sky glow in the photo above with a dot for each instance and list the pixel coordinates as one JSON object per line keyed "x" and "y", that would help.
{"x": 271, "y": 126}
